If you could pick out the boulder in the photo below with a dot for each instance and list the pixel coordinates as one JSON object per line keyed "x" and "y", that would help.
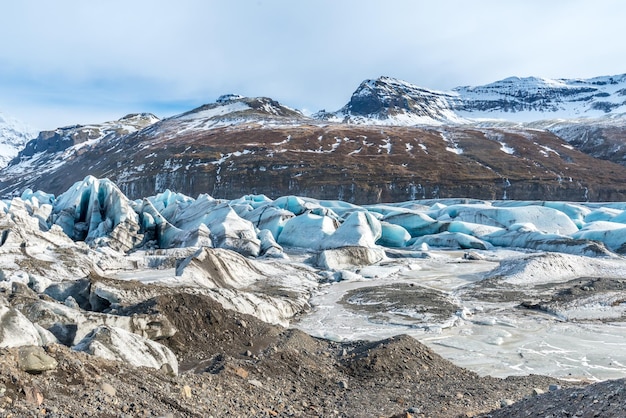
{"x": 16, "y": 330}
{"x": 34, "y": 359}
{"x": 348, "y": 257}
{"x": 360, "y": 229}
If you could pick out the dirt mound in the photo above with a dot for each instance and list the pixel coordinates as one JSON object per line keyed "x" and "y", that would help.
{"x": 604, "y": 399}
{"x": 206, "y": 329}
{"x": 400, "y": 356}
{"x": 236, "y": 365}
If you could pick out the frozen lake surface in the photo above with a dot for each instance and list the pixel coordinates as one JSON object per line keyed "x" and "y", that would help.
{"x": 490, "y": 337}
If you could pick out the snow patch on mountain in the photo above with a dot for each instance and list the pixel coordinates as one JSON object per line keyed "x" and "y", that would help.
{"x": 233, "y": 109}
{"x": 14, "y": 134}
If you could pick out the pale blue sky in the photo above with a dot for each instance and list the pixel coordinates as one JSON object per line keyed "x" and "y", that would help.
{"x": 75, "y": 61}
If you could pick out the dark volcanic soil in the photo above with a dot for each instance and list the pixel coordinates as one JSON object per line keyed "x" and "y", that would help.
{"x": 235, "y": 365}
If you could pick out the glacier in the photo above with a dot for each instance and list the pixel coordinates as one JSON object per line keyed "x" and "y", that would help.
{"x": 519, "y": 275}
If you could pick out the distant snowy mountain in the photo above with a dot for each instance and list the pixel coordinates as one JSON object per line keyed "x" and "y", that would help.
{"x": 14, "y": 134}
{"x": 50, "y": 151}
{"x": 80, "y": 136}
{"x": 388, "y": 101}
{"x": 530, "y": 99}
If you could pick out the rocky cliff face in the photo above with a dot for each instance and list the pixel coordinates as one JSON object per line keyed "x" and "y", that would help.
{"x": 601, "y": 138}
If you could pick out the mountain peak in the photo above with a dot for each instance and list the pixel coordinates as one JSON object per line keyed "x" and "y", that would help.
{"x": 140, "y": 119}
{"x": 230, "y": 109}
{"x": 390, "y": 101}
{"x": 225, "y": 98}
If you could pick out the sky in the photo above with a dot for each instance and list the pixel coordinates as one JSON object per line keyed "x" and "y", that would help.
{"x": 68, "y": 62}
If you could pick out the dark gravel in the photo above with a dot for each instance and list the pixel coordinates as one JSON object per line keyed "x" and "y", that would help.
{"x": 235, "y": 365}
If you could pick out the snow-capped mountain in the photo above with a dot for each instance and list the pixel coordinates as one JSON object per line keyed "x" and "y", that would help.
{"x": 50, "y": 151}
{"x": 393, "y": 141}
{"x": 388, "y": 101}
{"x": 230, "y": 110}
{"x": 531, "y": 98}
{"x": 80, "y": 136}
{"x": 233, "y": 109}
{"x": 14, "y": 134}
{"x": 240, "y": 145}
{"x": 589, "y": 114}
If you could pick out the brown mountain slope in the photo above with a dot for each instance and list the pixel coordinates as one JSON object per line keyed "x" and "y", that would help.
{"x": 360, "y": 164}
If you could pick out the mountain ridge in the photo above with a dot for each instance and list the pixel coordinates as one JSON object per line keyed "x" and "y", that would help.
{"x": 392, "y": 141}
{"x": 390, "y": 101}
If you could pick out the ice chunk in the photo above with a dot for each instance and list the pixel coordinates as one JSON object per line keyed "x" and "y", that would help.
{"x": 359, "y": 229}
{"x": 228, "y": 230}
{"x": 612, "y": 234}
{"x": 339, "y": 207}
{"x": 97, "y": 212}
{"x": 576, "y": 213}
{"x": 452, "y": 240}
{"x": 602, "y": 214}
{"x": 393, "y": 235}
{"x": 219, "y": 268}
{"x": 16, "y": 330}
{"x": 116, "y": 344}
{"x": 269, "y": 217}
{"x": 545, "y": 219}
{"x": 530, "y": 238}
{"x": 415, "y": 223}
{"x": 169, "y": 203}
{"x": 349, "y": 257}
{"x": 544, "y": 268}
{"x": 269, "y": 246}
{"x": 69, "y": 324}
{"x": 253, "y": 201}
{"x": 476, "y": 230}
{"x": 307, "y": 231}
{"x": 38, "y": 197}
{"x": 300, "y": 205}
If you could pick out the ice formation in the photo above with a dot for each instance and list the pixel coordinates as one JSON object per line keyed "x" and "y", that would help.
{"x": 276, "y": 259}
